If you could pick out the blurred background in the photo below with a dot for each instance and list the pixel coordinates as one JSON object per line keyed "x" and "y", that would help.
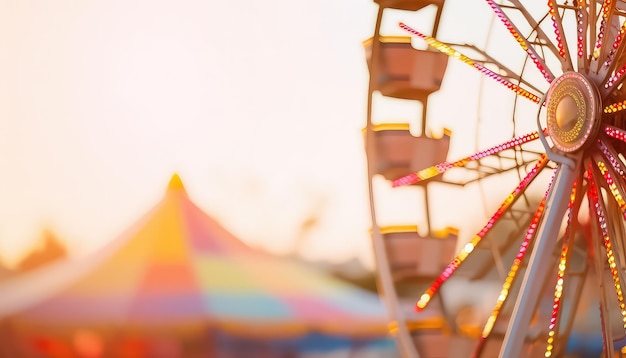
{"x": 190, "y": 177}
{"x": 258, "y": 107}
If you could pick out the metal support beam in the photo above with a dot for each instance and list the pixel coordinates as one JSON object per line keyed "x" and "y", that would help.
{"x": 547, "y": 237}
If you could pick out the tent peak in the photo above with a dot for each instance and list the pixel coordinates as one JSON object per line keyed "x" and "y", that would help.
{"x": 176, "y": 183}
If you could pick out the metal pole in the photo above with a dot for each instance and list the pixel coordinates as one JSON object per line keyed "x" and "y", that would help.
{"x": 384, "y": 279}
{"x": 538, "y": 265}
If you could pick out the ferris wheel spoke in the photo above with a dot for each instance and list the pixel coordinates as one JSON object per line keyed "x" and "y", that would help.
{"x": 616, "y": 48}
{"x": 539, "y": 261}
{"x": 596, "y": 247}
{"x": 615, "y": 107}
{"x": 603, "y": 305}
{"x": 612, "y": 182}
{"x": 615, "y": 133}
{"x": 512, "y": 274}
{"x": 441, "y": 168}
{"x": 618, "y": 177}
{"x": 604, "y": 15}
{"x": 486, "y": 60}
{"x": 425, "y": 298}
{"x": 585, "y": 14}
{"x": 610, "y": 154}
{"x": 599, "y": 212}
{"x": 609, "y": 39}
{"x": 614, "y": 81}
{"x": 562, "y": 268}
{"x": 444, "y": 48}
{"x": 617, "y": 232}
{"x": 523, "y": 42}
{"x": 541, "y": 39}
{"x": 614, "y": 66}
{"x": 615, "y": 213}
{"x": 557, "y": 21}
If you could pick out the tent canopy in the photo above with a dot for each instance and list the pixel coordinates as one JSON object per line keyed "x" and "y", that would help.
{"x": 178, "y": 266}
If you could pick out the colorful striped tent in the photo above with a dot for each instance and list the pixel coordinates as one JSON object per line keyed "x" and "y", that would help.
{"x": 178, "y": 268}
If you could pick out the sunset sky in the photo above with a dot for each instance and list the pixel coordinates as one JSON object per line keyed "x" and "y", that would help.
{"x": 257, "y": 105}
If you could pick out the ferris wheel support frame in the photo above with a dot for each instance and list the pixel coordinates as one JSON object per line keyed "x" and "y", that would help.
{"x": 556, "y": 205}
{"x": 384, "y": 278}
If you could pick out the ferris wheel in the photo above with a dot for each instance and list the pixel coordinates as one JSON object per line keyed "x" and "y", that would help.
{"x": 557, "y": 234}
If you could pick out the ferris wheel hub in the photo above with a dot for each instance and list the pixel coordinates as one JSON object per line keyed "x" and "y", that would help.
{"x": 573, "y": 111}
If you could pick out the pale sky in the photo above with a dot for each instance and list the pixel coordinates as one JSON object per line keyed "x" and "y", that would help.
{"x": 257, "y": 105}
